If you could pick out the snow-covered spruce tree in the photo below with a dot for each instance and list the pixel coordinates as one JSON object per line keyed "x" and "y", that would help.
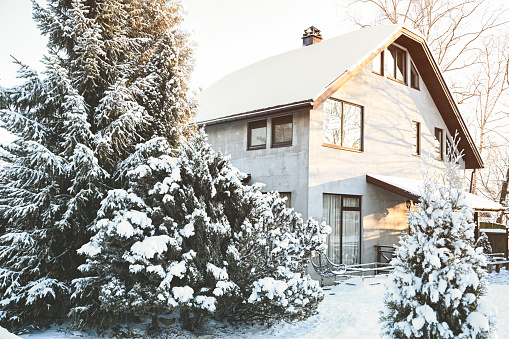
{"x": 438, "y": 278}
{"x": 115, "y": 78}
{"x": 189, "y": 237}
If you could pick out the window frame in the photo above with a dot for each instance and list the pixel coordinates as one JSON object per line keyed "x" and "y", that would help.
{"x": 361, "y": 146}
{"x": 254, "y": 125}
{"x": 342, "y": 209}
{"x": 413, "y": 69}
{"x": 418, "y": 137}
{"x": 440, "y": 156}
{"x": 382, "y": 64}
{"x": 280, "y": 121}
{"x": 398, "y": 51}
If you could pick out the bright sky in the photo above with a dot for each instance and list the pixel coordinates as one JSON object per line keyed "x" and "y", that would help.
{"x": 230, "y": 34}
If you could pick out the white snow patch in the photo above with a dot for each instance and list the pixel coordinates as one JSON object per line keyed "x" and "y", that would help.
{"x": 151, "y": 246}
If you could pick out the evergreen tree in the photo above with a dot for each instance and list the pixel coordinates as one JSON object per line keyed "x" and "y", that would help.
{"x": 438, "y": 278}
{"x": 115, "y": 78}
{"x": 188, "y": 236}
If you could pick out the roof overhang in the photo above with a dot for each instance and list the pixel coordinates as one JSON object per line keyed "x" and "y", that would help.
{"x": 410, "y": 189}
{"x": 306, "y": 104}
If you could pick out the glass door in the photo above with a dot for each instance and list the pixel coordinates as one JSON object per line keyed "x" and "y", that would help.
{"x": 343, "y": 214}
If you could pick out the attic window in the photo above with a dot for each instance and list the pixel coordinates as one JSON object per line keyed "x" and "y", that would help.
{"x": 342, "y": 125}
{"x": 439, "y": 143}
{"x": 378, "y": 64}
{"x": 414, "y": 76}
{"x": 257, "y": 134}
{"x": 396, "y": 63}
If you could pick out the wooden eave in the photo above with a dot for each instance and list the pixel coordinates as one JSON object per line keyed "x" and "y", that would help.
{"x": 393, "y": 189}
{"x": 435, "y": 83}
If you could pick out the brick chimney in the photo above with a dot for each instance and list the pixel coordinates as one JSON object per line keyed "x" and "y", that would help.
{"x": 311, "y": 36}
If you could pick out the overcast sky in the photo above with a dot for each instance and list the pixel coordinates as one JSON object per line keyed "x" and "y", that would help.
{"x": 230, "y": 34}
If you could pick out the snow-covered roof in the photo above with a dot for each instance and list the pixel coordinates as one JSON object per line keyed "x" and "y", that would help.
{"x": 296, "y": 76}
{"x": 413, "y": 188}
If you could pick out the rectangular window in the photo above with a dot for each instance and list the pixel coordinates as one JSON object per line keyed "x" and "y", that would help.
{"x": 378, "y": 64}
{"x": 342, "y": 124}
{"x": 414, "y": 76}
{"x": 257, "y": 134}
{"x": 282, "y": 131}
{"x": 439, "y": 144}
{"x": 396, "y": 63}
{"x": 416, "y": 138}
{"x": 288, "y": 197}
{"x": 343, "y": 214}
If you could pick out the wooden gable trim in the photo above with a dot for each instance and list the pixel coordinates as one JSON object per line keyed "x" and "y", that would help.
{"x": 435, "y": 83}
{"x": 442, "y": 97}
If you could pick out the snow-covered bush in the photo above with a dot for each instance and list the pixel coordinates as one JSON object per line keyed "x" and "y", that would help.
{"x": 189, "y": 236}
{"x": 438, "y": 278}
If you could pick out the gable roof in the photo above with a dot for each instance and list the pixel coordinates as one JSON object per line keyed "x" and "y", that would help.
{"x": 307, "y": 76}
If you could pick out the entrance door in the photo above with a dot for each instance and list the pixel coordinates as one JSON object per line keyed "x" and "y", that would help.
{"x": 343, "y": 214}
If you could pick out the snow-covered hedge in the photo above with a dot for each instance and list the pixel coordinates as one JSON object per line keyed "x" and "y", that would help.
{"x": 189, "y": 236}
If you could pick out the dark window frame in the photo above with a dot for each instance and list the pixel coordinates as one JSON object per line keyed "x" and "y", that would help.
{"x": 418, "y": 137}
{"x": 382, "y": 64}
{"x": 280, "y": 121}
{"x": 342, "y": 209}
{"x": 254, "y": 125}
{"x": 440, "y": 139}
{"x": 361, "y": 146}
{"x": 397, "y": 53}
{"x": 414, "y": 75}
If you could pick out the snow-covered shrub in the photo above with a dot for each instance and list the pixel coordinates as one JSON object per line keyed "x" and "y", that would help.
{"x": 438, "y": 278}
{"x": 188, "y": 236}
{"x": 484, "y": 243}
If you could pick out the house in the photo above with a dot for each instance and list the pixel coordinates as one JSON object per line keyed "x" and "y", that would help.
{"x": 342, "y": 128}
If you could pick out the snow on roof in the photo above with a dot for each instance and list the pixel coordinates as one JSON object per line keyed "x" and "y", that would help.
{"x": 414, "y": 187}
{"x": 296, "y": 76}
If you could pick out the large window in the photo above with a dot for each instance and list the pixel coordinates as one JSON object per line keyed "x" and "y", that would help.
{"x": 396, "y": 63}
{"x": 282, "y": 130}
{"x": 342, "y": 124}
{"x": 257, "y": 134}
{"x": 343, "y": 214}
{"x": 439, "y": 143}
{"x": 416, "y": 138}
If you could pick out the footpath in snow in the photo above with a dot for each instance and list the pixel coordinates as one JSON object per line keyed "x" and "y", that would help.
{"x": 348, "y": 311}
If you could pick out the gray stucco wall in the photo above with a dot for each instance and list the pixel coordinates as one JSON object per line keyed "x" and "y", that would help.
{"x": 284, "y": 169}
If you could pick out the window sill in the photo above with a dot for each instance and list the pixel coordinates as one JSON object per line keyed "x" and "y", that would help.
{"x": 343, "y": 148}
{"x": 286, "y": 144}
{"x": 254, "y": 148}
{"x": 416, "y": 88}
{"x": 377, "y": 73}
{"x": 416, "y": 154}
{"x": 397, "y": 80}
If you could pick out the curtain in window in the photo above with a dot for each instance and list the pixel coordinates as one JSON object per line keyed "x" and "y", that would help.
{"x": 351, "y": 237}
{"x": 332, "y": 217}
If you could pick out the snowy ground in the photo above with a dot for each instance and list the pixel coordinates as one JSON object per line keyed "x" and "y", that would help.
{"x": 348, "y": 311}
